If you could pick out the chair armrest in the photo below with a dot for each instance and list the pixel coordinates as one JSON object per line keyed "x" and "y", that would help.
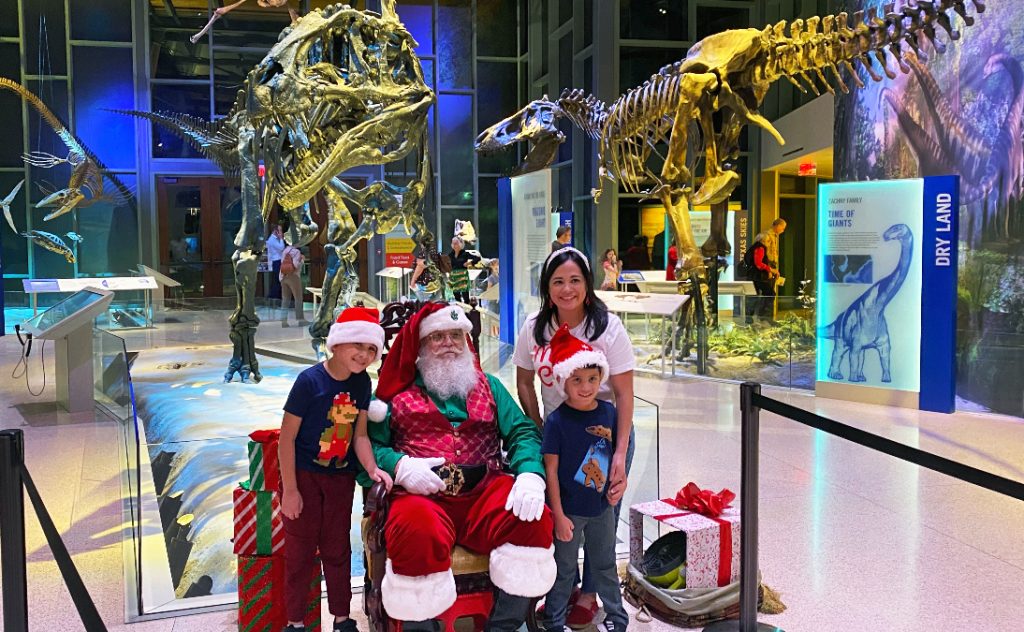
{"x": 377, "y": 506}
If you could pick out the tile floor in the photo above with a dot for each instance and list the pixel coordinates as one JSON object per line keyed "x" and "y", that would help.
{"x": 853, "y": 540}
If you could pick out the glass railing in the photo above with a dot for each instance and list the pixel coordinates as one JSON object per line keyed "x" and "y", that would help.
{"x": 114, "y": 395}
{"x": 739, "y": 348}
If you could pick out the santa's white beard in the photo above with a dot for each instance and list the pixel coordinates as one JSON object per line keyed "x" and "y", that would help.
{"x": 448, "y": 377}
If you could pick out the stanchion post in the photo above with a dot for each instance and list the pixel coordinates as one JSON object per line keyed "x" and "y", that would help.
{"x": 12, "y": 532}
{"x": 750, "y": 427}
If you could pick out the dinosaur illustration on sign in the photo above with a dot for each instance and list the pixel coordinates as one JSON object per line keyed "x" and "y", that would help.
{"x": 862, "y": 325}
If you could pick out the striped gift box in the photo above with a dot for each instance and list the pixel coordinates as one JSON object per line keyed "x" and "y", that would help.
{"x": 259, "y": 527}
{"x": 264, "y": 473}
{"x": 261, "y": 595}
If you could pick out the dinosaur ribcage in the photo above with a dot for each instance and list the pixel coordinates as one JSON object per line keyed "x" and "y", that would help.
{"x": 636, "y": 123}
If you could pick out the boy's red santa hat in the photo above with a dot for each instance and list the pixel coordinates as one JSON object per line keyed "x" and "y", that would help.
{"x": 357, "y": 324}
{"x": 569, "y": 353}
{"x": 399, "y": 369}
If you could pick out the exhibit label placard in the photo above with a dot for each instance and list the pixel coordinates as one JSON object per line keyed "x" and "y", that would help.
{"x": 532, "y": 229}
{"x": 887, "y": 282}
{"x": 36, "y": 286}
{"x": 399, "y": 249}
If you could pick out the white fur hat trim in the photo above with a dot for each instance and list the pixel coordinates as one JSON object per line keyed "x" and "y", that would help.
{"x": 357, "y": 331}
{"x": 451, "y": 317}
{"x": 408, "y": 598}
{"x": 578, "y": 360}
{"x": 524, "y": 571}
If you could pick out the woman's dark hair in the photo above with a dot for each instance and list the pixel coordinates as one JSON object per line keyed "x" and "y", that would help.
{"x": 595, "y": 311}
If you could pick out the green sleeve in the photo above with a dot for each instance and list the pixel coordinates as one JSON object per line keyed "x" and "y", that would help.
{"x": 520, "y": 436}
{"x": 380, "y": 438}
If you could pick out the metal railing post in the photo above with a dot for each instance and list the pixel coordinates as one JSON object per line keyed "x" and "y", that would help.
{"x": 750, "y": 428}
{"x": 12, "y": 532}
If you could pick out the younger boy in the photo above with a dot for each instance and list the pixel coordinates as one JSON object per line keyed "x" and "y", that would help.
{"x": 322, "y": 435}
{"x": 578, "y": 443}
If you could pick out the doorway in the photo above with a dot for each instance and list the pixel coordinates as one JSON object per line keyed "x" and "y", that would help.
{"x": 198, "y": 218}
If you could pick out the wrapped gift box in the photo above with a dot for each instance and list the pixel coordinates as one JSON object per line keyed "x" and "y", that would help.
{"x": 264, "y": 473}
{"x": 712, "y": 544}
{"x": 261, "y": 595}
{"x": 259, "y": 527}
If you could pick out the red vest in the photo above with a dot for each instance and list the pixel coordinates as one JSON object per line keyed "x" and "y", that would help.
{"x": 420, "y": 430}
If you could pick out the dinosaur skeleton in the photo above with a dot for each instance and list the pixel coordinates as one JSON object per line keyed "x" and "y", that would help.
{"x": 661, "y": 121}
{"x": 341, "y": 88}
{"x": 85, "y": 186}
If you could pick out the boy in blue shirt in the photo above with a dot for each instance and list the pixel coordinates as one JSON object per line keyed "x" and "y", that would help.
{"x": 579, "y": 438}
{"x": 322, "y": 436}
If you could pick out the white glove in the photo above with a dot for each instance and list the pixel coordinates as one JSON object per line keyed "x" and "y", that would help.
{"x": 415, "y": 475}
{"x": 526, "y": 498}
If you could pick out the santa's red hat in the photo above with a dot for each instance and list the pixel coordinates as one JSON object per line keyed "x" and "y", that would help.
{"x": 399, "y": 369}
{"x": 569, "y": 353}
{"x": 357, "y": 324}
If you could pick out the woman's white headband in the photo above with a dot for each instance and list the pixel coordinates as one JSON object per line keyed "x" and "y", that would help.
{"x": 551, "y": 256}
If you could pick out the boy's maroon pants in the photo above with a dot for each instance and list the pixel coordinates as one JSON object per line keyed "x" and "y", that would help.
{"x": 323, "y": 525}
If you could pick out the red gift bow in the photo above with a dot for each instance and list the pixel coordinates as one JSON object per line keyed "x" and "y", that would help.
{"x": 703, "y": 501}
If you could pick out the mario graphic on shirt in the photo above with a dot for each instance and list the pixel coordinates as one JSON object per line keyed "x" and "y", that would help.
{"x": 336, "y": 438}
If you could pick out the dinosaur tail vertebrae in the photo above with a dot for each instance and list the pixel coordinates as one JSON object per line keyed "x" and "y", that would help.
{"x": 820, "y": 44}
{"x": 215, "y": 140}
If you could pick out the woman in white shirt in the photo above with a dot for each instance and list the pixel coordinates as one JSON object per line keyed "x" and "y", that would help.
{"x": 567, "y": 296}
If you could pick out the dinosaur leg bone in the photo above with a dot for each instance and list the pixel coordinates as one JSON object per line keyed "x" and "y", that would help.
{"x": 692, "y": 89}
{"x": 678, "y": 208}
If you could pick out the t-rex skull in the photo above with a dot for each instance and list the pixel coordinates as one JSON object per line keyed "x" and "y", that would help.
{"x": 341, "y": 88}
{"x": 536, "y": 123}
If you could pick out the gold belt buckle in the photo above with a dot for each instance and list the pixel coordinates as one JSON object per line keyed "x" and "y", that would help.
{"x": 452, "y": 477}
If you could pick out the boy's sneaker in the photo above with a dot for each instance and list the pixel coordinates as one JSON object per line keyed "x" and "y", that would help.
{"x": 348, "y": 625}
{"x": 610, "y": 626}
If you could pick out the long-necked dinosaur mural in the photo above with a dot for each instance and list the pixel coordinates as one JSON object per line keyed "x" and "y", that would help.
{"x": 862, "y": 325}
{"x": 944, "y": 140}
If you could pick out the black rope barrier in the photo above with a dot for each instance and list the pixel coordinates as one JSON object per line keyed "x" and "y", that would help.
{"x": 15, "y": 481}
{"x": 751, "y": 404}
{"x": 966, "y": 473}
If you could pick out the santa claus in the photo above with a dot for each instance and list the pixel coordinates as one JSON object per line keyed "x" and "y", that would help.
{"x": 468, "y": 471}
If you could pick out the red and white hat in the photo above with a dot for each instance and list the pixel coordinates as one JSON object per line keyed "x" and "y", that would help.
{"x": 569, "y": 353}
{"x": 399, "y": 369}
{"x": 357, "y": 324}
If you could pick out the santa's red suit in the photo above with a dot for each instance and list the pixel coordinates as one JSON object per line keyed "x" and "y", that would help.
{"x": 477, "y": 505}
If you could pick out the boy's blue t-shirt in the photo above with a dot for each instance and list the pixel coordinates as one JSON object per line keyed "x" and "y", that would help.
{"x": 328, "y": 409}
{"x": 584, "y": 442}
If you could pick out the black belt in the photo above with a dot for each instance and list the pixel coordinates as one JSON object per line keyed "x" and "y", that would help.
{"x": 459, "y": 478}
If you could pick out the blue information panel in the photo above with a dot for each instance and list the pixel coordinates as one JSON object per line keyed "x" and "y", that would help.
{"x": 887, "y": 291}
